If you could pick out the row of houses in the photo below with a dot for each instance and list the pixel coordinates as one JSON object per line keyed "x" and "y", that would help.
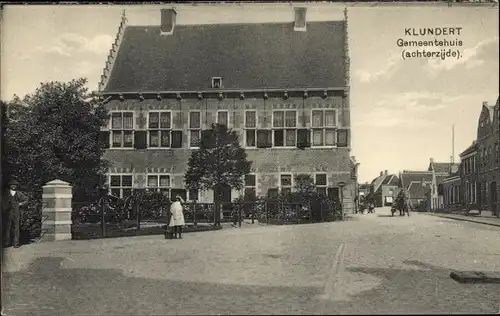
{"x": 476, "y": 185}
{"x": 472, "y": 184}
{"x": 272, "y": 83}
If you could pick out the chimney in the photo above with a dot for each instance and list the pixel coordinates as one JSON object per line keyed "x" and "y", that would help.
{"x": 432, "y": 160}
{"x": 300, "y": 19}
{"x": 167, "y": 21}
{"x": 381, "y": 173}
{"x": 485, "y": 103}
{"x": 385, "y": 172}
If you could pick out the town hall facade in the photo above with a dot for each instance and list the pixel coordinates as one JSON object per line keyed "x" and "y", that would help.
{"x": 284, "y": 87}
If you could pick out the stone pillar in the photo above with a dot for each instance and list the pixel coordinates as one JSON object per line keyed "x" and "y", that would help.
{"x": 56, "y": 213}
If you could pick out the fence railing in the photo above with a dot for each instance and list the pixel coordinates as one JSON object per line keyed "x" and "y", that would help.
{"x": 105, "y": 216}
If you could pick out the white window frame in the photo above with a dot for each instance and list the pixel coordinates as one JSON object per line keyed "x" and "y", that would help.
{"x": 280, "y": 187}
{"x": 245, "y": 128}
{"x": 321, "y": 186}
{"x": 251, "y": 186}
{"x": 159, "y": 129}
{"x": 213, "y": 82}
{"x": 110, "y": 128}
{"x": 284, "y": 128}
{"x": 194, "y": 129}
{"x": 324, "y": 128}
{"x": 217, "y": 116}
{"x": 158, "y": 187}
{"x": 121, "y": 187}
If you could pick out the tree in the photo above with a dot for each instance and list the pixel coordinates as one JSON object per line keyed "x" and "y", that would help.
{"x": 54, "y": 133}
{"x": 304, "y": 184}
{"x": 219, "y": 162}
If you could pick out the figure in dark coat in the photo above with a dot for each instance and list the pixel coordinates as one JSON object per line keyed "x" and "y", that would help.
{"x": 13, "y": 201}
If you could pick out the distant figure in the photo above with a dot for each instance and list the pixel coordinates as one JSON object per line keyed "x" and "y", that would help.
{"x": 12, "y": 203}
{"x": 177, "y": 216}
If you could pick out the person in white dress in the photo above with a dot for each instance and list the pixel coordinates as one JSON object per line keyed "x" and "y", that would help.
{"x": 177, "y": 217}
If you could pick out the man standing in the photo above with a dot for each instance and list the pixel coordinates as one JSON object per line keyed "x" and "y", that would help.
{"x": 13, "y": 201}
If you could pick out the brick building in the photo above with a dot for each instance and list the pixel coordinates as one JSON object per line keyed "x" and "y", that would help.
{"x": 468, "y": 175}
{"x": 383, "y": 189}
{"x": 416, "y": 184}
{"x": 452, "y": 193}
{"x": 488, "y": 140}
{"x": 284, "y": 87}
{"x": 425, "y": 187}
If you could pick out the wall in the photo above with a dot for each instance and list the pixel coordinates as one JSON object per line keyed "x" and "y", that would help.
{"x": 489, "y": 170}
{"x": 268, "y": 163}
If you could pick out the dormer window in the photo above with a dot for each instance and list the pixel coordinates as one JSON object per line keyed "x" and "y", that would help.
{"x": 216, "y": 82}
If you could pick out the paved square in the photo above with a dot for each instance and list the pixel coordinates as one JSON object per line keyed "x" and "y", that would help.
{"x": 372, "y": 264}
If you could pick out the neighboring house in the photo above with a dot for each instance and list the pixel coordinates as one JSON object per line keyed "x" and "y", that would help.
{"x": 451, "y": 186}
{"x": 364, "y": 190}
{"x": 418, "y": 185}
{"x": 440, "y": 171}
{"x": 273, "y": 83}
{"x": 468, "y": 175}
{"x": 488, "y": 158}
{"x": 384, "y": 189}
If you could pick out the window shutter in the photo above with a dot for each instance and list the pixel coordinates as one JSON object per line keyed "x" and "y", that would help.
{"x": 333, "y": 193}
{"x": 176, "y": 139}
{"x": 140, "y": 140}
{"x": 342, "y": 138}
{"x": 104, "y": 139}
{"x": 263, "y": 139}
{"x": 208, "y": 138}
{"x": 303, "y": 138}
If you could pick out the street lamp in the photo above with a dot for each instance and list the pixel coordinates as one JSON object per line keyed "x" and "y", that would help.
{"x": 341, "y": 186}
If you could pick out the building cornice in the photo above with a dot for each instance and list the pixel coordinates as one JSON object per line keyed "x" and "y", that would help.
{"x": 221, "y": 94}
{"x": 113, "y": 52}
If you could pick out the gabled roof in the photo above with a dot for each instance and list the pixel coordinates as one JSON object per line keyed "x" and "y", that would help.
{"x": 409, "y": 177}
{"x": 443, "y": 167}
{"x": 246, "y": 56}
{"x": 391, "y": 179}
{"x": 417, "y": 190}
{"x": 377, "y": 182}
{"x": 470, "y": 149}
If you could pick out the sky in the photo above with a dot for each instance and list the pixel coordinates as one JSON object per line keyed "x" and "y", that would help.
{"x": 402, "y": 111}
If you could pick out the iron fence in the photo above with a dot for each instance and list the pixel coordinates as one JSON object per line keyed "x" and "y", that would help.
{"x": 112, "y": 217}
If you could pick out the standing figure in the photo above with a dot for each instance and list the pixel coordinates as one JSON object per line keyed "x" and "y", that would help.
{"x": 13, "y": 201}
{"x": 177, "y": 216}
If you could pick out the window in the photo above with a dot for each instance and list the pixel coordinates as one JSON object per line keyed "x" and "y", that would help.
{"x": 250, "y": 186}
{"x": 216, "y": 82}
{"x": 194, "y": 129}
{"x": 250, "y": 128}
{"x": 285, "y": 128}
{"x": 223, "y": 118}
{"x": 323, "y": 124}
{"x": 122, "y": 129}
{"x": 193, "y": 195}
{"x": 120, "y": 185}
{"x": 320, "y": 182}
{"x": 159, "y": 182}
{"x": 286, "y": 183}
{"x": 159, "y": 125}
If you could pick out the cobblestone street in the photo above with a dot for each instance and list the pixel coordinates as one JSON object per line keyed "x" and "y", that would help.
{"x": 371, "y": 264}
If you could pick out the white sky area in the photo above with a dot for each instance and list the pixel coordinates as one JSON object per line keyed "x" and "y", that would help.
{"x": 402, "y": 110}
